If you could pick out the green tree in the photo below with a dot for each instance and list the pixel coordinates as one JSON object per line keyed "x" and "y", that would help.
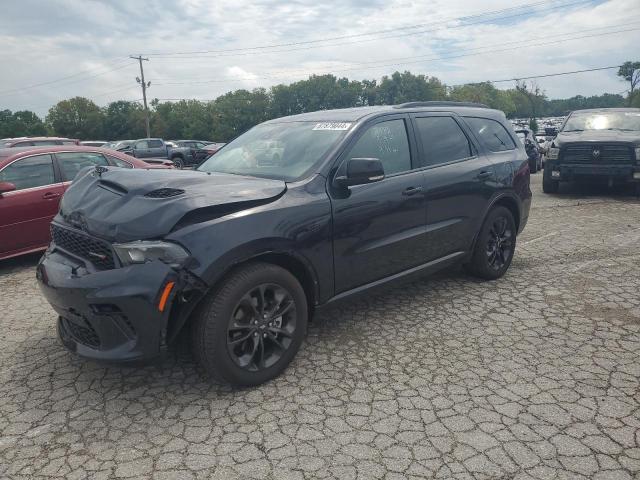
{"x": 21, "y": 124}
{"x": 236, "y": 112}
{"x": 123, "y": 120}
{"x": 407, "y": 87}
{"x": 77, "y": 117}
{"x": 485, "y": 93}
{"x": 630, "y": 71}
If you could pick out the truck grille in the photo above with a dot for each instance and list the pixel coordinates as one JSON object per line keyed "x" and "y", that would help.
{"x": 598, "y": 154}
{"x": 97, "y": 252}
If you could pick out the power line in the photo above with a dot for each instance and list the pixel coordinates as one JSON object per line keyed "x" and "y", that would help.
{"x": 64, "y": 79}
{"x": 554, "y": 74}
{"x": 424, "y": 58}
{"x": 317, "y": 43}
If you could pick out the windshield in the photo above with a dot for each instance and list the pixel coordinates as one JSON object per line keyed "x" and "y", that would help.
{"x": 626, "y": 121}
{"x": 282, "y": 151}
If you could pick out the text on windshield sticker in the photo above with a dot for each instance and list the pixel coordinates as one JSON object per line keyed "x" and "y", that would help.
{"x": 332, "y": 126}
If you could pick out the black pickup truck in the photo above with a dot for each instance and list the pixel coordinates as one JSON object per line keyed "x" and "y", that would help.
{"x": 599, "y": 144}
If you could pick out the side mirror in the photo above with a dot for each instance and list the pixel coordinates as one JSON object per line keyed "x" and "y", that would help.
{"x": 6, "y": 187}
{"x": 360, "y": 171}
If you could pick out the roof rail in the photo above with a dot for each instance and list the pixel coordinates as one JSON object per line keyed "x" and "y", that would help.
{"x": 440, "y": 103}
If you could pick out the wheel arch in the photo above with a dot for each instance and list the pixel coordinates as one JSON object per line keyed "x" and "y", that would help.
{"x": 506, "y": 200}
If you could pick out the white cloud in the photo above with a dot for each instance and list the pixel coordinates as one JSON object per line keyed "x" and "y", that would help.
{"x": 45, "y": 41}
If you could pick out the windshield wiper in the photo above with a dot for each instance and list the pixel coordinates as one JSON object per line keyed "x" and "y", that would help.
{"x": 574, "y": 130}
{"x": 621, "y": 129}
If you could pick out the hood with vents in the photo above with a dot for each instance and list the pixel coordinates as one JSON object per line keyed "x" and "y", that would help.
{"x": 128, "y": 204}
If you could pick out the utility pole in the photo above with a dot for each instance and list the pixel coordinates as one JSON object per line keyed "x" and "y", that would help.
{"x": 140, "y": 80}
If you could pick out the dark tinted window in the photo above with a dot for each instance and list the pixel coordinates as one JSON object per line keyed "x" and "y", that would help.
{"x": 46, "y": 142}
{"x": 154, "y": 143}
{"x": 388, "y": 142}
{"x": 491, "y": 133}
{"x": 29, "y": 172}
{"x": 141, "y": 144}
{"x": 72, "y": 163}
{"x": 71, "y": 142}
{"x": 442, "y": 140}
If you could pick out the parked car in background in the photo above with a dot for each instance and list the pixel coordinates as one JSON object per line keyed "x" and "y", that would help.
{"x": 183, "y": 153}
{"x": 601, "y": 144}
{"x": 245, "y": 247}
{"x": 32, "y": 180}
{"x": 37, "y": 141}
{"x": 207, "y": 151}
{"x": 118, "y": 145}
{"x": 534, "y": 151}
{"x": 94, "y": 143}
{"x": 146, "y": 148}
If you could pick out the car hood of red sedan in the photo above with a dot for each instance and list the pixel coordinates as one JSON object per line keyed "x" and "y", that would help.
{"x": 124, "y": 205}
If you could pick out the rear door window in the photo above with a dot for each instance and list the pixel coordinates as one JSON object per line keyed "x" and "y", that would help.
{"x": 72, "y": 162}
{"x": 36, "y": 171}
{"x": 491, "y": 133}
{"x": 443, "y": 140}
{"x": 154, "y": 143}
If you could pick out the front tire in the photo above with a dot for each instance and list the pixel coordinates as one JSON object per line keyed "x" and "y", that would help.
{"x": 248, "y": 329}
{"x": 495, "y": 245}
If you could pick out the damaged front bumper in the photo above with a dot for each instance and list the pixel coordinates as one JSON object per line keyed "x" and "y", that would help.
{"x": 120, "y": 314}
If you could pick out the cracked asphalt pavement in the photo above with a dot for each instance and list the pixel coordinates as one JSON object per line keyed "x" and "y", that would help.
{"x": 536, "y": 375}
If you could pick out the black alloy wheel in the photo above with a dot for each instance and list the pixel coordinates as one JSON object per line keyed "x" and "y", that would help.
{"x": 494, "y": 246}
{"x": 499, "y": 247}
{"x": 261, "y": 327}
{"x": 249, "y": 327}
{"x": 178, "y": 163}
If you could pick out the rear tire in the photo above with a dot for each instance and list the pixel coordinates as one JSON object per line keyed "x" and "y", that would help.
{"x": 248, "y": 329}
{"x": 549, "y": 185}
{"x": 178, "y": 162}
{"x": 495, "y": 245}
{"x": 533, "y": 167}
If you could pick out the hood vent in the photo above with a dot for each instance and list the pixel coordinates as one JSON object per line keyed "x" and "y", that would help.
{"x": 164, "y": 193}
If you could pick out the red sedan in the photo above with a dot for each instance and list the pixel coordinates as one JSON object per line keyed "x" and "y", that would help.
{"x": 33, "y": 179}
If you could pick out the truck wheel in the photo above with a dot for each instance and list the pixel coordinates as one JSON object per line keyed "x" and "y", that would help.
{"x": 248, "y": 330}
{"x": 533, "y": 166}
{"x": 549, "y": 185}
{"x": 495, "y": 245}
{"x": 178, "y": 162}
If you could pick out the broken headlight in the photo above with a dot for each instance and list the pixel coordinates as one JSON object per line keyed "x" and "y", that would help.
{"x": 143, "y": 251}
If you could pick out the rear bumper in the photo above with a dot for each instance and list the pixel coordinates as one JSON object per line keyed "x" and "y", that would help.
{"x": 109, "y": 315}
{"x": 562, "y": 171}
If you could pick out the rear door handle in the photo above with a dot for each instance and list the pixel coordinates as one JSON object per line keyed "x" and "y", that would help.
{"x": 483, "y": 175}
{"x": 50, "y": 195}
{"x": 412, "y": 191}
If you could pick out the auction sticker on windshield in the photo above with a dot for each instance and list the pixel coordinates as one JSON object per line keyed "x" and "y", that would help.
{"x": 332, "y": 126}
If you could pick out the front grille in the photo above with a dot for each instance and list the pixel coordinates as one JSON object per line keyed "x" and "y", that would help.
{"x": 598, "y": 154}
{"x": 97, "y": 252}
{"x": 84, "y": 334}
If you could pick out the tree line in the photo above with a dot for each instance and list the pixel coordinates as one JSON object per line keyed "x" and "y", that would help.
{"x": 235, "y": 112}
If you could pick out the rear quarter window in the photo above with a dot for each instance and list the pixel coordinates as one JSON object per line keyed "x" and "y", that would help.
{"x": 491, "y": 133}
{"x": 154, "y": 143}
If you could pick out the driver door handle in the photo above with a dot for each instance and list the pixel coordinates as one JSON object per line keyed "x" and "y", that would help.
{"x": 411, "y": 191}
{"x": 484, "y": 174}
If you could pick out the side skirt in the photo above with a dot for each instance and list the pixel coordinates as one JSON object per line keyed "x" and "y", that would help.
{"x": 420, "y": 270}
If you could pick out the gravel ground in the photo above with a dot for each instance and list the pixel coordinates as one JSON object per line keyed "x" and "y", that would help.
{"x": 536, "y": 375}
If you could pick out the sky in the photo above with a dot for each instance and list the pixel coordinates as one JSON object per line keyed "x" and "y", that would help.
{"x": 56, "y": 49}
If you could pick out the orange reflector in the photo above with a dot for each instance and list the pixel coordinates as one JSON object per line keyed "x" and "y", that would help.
{"x": 165, "y": 295}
